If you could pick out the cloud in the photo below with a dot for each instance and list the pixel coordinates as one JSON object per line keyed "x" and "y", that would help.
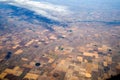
{"x": 52, "y": 11}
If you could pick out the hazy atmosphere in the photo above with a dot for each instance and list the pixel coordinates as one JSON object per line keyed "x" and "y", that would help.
{"x": 59, "y": 39}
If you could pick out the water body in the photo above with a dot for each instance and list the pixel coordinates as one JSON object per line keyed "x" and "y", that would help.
{"x": 8, "y": 55}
